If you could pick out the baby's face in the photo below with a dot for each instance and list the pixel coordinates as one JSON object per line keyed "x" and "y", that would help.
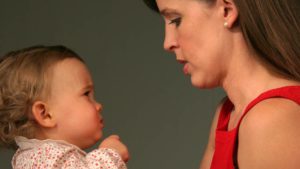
{"x": 72, "y": 104}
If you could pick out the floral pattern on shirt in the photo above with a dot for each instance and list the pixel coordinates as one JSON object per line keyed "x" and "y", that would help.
{"x": 53, "y": 154}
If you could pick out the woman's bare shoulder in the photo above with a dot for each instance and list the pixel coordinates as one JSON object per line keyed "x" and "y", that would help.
{"x": 274, "y": 112}
{"x": 269, "y": 135}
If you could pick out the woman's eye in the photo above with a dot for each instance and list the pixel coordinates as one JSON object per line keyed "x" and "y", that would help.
{"x": 175, "y": 21}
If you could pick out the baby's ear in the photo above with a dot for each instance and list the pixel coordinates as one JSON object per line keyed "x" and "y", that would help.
{"x": 42, "y": 115}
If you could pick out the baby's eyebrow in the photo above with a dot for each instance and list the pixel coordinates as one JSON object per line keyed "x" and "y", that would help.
{"x": 88, "y": 86}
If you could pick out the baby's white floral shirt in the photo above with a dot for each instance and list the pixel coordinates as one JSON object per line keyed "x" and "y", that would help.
{"x": 56, "y": 154}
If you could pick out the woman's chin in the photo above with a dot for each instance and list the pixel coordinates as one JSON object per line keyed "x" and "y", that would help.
{"x": 197, "y": 83}
{"x": 200, "y": 84}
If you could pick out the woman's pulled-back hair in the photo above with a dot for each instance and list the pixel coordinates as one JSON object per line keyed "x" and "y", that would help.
{"x": 271, "y": 29}
{"x": 25, "y": 76}
{"x": 151, "y": 4}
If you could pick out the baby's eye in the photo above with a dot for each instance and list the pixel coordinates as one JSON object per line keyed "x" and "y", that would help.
{"x": 176, "y": 21}
{"x": 87, "y": 93}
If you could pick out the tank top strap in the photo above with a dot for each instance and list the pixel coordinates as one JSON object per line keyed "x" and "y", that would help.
{"x": 224, "y": 115}
{"x": 288, "y": 92}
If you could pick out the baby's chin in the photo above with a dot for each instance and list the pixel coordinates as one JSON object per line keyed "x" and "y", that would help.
{"x": 91, "y": 142}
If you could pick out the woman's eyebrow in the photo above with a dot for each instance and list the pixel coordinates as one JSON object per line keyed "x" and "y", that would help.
{"x": 168, "y": 12}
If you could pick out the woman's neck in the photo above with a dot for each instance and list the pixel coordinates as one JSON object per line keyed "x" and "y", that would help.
{"x": 246, "y": 76}
{"x": 247, "y": 80}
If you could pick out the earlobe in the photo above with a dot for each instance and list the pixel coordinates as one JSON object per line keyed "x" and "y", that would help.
{"x": 42, "y": 115}
{"x": 230, "y": 13}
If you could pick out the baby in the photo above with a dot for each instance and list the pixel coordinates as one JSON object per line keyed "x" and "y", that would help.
{"x": 48, "y": 111}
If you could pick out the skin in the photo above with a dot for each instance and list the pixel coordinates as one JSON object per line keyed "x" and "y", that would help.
{"x": 71, "y": 113}
{"x": 217, "y": 56}
{"x": 73, "y": 105}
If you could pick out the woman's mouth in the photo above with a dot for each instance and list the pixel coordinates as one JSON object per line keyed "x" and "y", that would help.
{"x": 185, "y": 67}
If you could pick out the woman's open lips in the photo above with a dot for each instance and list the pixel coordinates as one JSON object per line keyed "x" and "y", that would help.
{"x": 185, "y": 67}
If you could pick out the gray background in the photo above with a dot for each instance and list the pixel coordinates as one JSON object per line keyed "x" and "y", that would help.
{"x": 147, "y": 100}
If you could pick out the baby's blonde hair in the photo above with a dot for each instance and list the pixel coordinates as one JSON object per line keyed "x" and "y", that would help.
{"x": 25, "y": 76}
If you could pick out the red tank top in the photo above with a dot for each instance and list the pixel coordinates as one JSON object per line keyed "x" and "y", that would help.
{"x": 226, "y": 141}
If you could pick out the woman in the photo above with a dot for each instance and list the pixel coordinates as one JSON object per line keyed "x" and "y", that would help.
{"x": 250, "y": 48}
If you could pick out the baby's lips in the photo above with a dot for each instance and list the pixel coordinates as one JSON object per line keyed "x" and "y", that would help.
{"x": 101, "y": 121}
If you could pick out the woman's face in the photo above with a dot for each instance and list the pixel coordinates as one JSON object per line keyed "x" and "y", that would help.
{"x": 195, "y": 32}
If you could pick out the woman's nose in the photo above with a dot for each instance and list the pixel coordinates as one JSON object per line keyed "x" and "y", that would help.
{"x": 170, "y": 42}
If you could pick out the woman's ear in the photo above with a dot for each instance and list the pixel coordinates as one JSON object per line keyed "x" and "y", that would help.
{"x": 230, "y": 13}
{"x": 42, "y": 115}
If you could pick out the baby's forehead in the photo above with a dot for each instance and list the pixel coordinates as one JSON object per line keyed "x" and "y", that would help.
{"x": 70, "y": 66}
{"x": 72, "y": 72}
